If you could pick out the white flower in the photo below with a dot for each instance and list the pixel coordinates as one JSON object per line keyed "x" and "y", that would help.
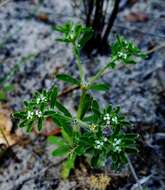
{"x": 107, "y": 118}
{"x": 97, "y": 141}
{"x": 116, "y": 145}
{"x": 38, "y": 113}
{"x": 105, "y": 139}
{"x": 99, "y": 144}
{"x": 108, "y": 122}
{"x": 117, "y": 149}
{"x": 115, "y": 119}
{"x": 122, "y": 55}
{"x": 30, "y": 115}
{"x": 40, "y": 99}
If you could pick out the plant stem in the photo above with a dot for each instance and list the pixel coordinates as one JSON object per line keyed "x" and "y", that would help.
{"x": 133, "y": 172}
{"x": 79, "y": 111}
{"x": 78, "y": 62}
{"x": 100, "y": 72}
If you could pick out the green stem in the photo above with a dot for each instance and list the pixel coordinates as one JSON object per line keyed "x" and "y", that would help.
{"x": 78, "y": 62}
{"x": 100, "y": 72}
{"x": 79, "y": 112}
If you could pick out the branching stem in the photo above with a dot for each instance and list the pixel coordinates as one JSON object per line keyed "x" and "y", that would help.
{"x": 100, "y": 72}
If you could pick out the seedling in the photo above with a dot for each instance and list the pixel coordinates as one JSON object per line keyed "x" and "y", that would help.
{"x": 94, "y": 132}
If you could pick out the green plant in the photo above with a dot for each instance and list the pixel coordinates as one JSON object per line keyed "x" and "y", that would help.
{"x": 94, "y": 132}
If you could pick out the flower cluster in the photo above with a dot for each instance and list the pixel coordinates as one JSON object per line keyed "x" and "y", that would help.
{"x": 117, "y": 145}
{"x": 93, "y": 127}
{"x": 122, "y": 55}
{"x": 107, "y": 118}
{"x": 98, "y": 144}
{"x": 110, "y": 119}
{"x": 31, "y": 114}
{"x": 41, "y": 99}
{"x": 114, "y": 120}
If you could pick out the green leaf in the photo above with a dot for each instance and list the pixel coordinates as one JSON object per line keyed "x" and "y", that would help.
{"x": 67, "y": 137}
{"x": 109, "y": 109}
{"x": 90, "y": 118}
{"x": 20, "y": 115}
{"x": 61, "y": 150}
{"x": 80, "y": 150}
{"x": 95, "y": 160}
{"x": 23, "y": 123}
{"x": 62, "y": 121}
{"x": 63, "y": 28}
{"x": 53, "y": 96}
{"x": 56, "y": 140}
{"x": 99, "y": 87}
{"x": 95, "y": 107}
{"x": 68, "y": 79}
{"x": 88, "y": 33}
{"x": 62, "y": 109}
{"x": 86, "y": 101}
{"x": 40, "y": 124}
{"x": 131, "y": 149}
{"x": 68, "y": 165}
{"x": 123, "y": 158}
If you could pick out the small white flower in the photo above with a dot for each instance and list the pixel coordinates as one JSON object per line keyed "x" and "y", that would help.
{"x": 107, "y": 118}
{"x": 115, "y": 119}
{"x": 38, "y": 113}
{"x": 108, "y": 122}
{"x": 117, "y": 149}
{"x": 30, "y": 115}
{"x": 40, "y": 99}
{"x": 104, "y": 118}
{"x": 116, "y": 145}
{"x": 97, "y": 141}
{"x": 118, "y": 142}
{"x": 122, "y": 55}
{"x": 99, "y": 144}
{"x": 105, "y": 139}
